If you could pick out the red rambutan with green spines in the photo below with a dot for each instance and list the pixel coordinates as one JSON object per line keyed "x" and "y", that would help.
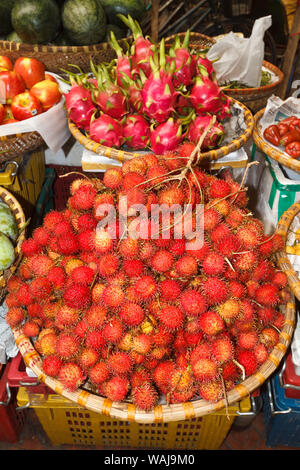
{"x": 247, "y": 339}
{"x": 99, "y": 373}
{"x": 162, "y": 261}
{"x": 108, "y": 264}
{"x": 172, "y": 317}
{"x": 40, "y": 287}
{"x": 267, "y": 294}
{"x": 269, "y": 337}
{"x": 113, "y": 296}
{"x": 77, "y": 296}
{"x": 113, "y": 330}
{"x": 211, "y": 323}
{"x": 83, "y": 197}
{"x": 144, "y": 396}
{"x": 87, "y": 358}
{"x": 15, "y": 316}
{"x": 51, "y": 365}
{"x": 117, "y": 388}
{"x": 41, "y": 264}
{"x": 57, "y": 276}
{"x": 215, "y": 290}
{"x": 94, "y": 338}
{"x": 67, "y": 345}
{"x": 218, "y": 188}
{"x": 186, "y": 266}
{"x": 95, "y": 315}
{"x": 71, "y": 376}
{"x": 192, "y": 302}
{"x": 113, "y": 178}
{"x": 145, "y": 287}
{"x": 211, "y": 391}
{"x": 119, "y": 363}
{"x": 213, "y": 264}
{"x": 247, "y": 359}
{"x": 142, "y": 343}
{"x": 41, "y": 236}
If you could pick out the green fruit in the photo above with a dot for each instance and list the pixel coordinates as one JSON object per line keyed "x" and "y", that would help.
{"x": 13, "y": 37}
{"x": 8, "y": 224}
{"x": 5, "y": 16}
{"x": 7, "y": 252}
{"x": 36, "y": 21}
{"x": 119, "y": 32}
{"x": 84, "y": 21}
{"x": 135, "y": 8}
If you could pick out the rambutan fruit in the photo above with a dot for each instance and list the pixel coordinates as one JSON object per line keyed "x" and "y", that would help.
{"x": 197, "y": 248}
{"x": 103, "y": 205}
{"x": 137, "y": 165}
{"x": 41, "y": 236}
{"x": 221, "y": 230}
{"x": 262, "y": 271}
{"x": 227, "y": 245}
{"x": 230, "y": 371}
{"x": 113, "y": 178}
{"x": 269, "y": 337}
{"x": 213, "y": 264}
{"x": 67, "y": 345}
{"x": 182, "y": 396}
{"x": 87, "y": 358}
{"x": 15, "y": 316}
{"x": 222, "y": 206}
{"x": 218, "y": 188}
{"x": 145, "y": 287}
{"x": 162, "y": 261}
{"x": 129, "y": 198}
{"x": 170, "y": 289}
{"x": 186, "y": 266}
{"x": 279, "y": 320}
{"x": 83, "y": 198}
{"x": 117, "y": 388}
{"x": 142, "y": 343}
{"x": 139, "y": 376}
{"x": 113, "y": 330}
{"x": 95, "y": 316}
{"x": 280, "y": 279}
{"x": 162, "y": 374}
{"x": 245, "y": 261}
{"x": 211, "y": 391}
{"x": 211, "y": 322}
{"x": 13, "y": 283}
{"x": 171, "y": 195}
{"x": 131, "y": 180}
{"x": 66, "y": 316}
{"x": 86, "y": 221}
{"x": 192, "y": 302}
{"x": 205, "y": 369}
{"x": 266, "y": 314}
{"x": 71, "y": 376}
{"x": 67, "y": 245}
{"x": 51, "y": 365}
{"x": 47, "y": 343}
{"x": 237, "y": 289}
{"x": 172, "y": 161}
{"x": 129, "y": 248}
{"x": 267, "y": 294}
{"x": 40, "y": 287}
{"x": 41, "y": 264}
{"x": 31, "y": 328}
{"x": 119, "y": 363}
{"x": 181, "y": 379}
{"x": 133, "y": 267}
{"x": 201, "y": 351}
{"x": 215, "y": 290}
{"x": 100, "y": 241}
{"x": 144, "y": 396}
{"x": 77, "y": 296}
{"x": 63, "y": 228}
{"x": 57, "y": 276}
{"x": 171, "y": 317}
{"x": 94, "y": 338}
{"x": 248, "y": 238}
{"x": 161, "y": 336}
{"x": 247, "y": 359}
{"x": 24, "y": 295}
{"x": 82, "y": 275}
{"x": 261, "y": 353}
{"x": 177, "y": 247}
{"x": 11, "y": 300}
{"x": 131, "y": 313}
{"x": 113, "y": 296}
{"x": 235, "y": 217}
{"x": 229, "y": 310}
{"x": 30, "y": 247}
{"x": 51, "y": 219}
{"x": 222, "y": 348}
{"x": 247, "y": 339}
{"x": 185, "y": 150}
{"x": 211, "y": 219}
{"x": 99, "y": 373}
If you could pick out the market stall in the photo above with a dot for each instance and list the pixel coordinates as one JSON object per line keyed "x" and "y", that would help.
{"x": 144, "y": 265}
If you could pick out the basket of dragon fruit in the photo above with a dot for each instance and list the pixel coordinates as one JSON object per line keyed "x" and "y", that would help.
{"x": 169, "y": 97}
{"x": 163, "y": 324}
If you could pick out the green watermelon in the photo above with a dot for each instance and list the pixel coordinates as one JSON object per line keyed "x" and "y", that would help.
{"x": 118, "y": 32}
{"x": 84, "y": 21}
{"x": 13, "y": 37}
{"x": 36, "y": 21}
{"x": 135, "y": 8}
{"x": 5, "y": 15}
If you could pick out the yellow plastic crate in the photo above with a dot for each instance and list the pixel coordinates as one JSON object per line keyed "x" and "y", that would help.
{"x": 65, "y": 422}
{"x": 24, "y": 178}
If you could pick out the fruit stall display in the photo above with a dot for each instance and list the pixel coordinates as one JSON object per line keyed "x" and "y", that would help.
{"x": 62, "y": 32}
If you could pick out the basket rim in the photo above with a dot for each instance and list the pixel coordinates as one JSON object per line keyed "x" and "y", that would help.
{"x": 268, "y": 87}
{"x": 283, "y": 261}
{"x": 192, "y": 33}
{"x": 277, "y": 155}
{"x": 162, "y": 413}
{"x": 122, "y": 155}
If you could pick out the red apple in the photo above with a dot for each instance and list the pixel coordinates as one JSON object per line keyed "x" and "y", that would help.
{"x": 31, "y": 70}
{"x": 12, "y": 85}
{"x": 5, "y": 63}
{"x": 25, "y": 105}
{"x": 47, "y": 92}
{"x": 50, "y": 77}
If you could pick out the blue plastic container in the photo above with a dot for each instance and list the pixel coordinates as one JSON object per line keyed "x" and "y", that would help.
{"x": 281, "y": 416}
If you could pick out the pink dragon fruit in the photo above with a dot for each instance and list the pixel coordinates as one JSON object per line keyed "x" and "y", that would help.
{"x": 142, "y": 48}
{"x": 76, "y": 93}
{"x": 106, "y": 131}
{"x": 158, "y": 92}
{"x": 123, "y": 62}
{"x": 225, "y": 111}
{"x": 136, "y": 131}
{"x": 205, "y": 95}
{"x": 185, "y": 68}
{"x": 199, "y": 125}
{"x": 109, "y": 96}
{"x": 166, "y": 137}
{"x": 203, "y": 61}
{"x": 80, "y": 107}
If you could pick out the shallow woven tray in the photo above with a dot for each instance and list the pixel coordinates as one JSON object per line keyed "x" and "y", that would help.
{"x": 15, "y": 207}
{"x": 283, "y": 261}
{"x": 162, "y": 413}
{"x": 122, "y": 155}
{"x": 56, "y": 58}
{"x": 264, "y": 146}
{"x": 256, "y": 98}
{"x": 12, "y": 146}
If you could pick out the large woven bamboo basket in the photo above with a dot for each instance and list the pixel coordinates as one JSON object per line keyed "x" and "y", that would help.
{"x": 163, "y": 413}
{"x": 16, "y": 209}
{"x": 283, "y": 260}
{"x": 12, "y": 146}
{"x": 201, "y": 41}
{"x": 123, "y": 155}
{"x": 264, "y": 146}
{"x": 256, "y": 98}
{"x": 55, "y": 58}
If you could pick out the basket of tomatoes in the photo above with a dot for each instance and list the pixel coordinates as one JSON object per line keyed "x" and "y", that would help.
{"x": 27, "y": 92}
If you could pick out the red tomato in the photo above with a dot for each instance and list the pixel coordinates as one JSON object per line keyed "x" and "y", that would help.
{"x": 25, "y": 105}
{"x": 5, "y": 63}
{"x": 31, "y": 70}
{"x": 2, "y": 113}
{"x": 13, "y": 85}
{"x": 47, "y": 92}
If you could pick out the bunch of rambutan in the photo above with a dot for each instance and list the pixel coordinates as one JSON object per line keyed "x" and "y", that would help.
{"x": 145, "y": 317}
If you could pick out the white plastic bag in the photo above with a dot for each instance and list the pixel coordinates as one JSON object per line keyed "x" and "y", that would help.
{"x": 240, "y": 59}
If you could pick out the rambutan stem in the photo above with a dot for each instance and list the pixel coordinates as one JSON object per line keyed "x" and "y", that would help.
{"x": 245, "y": 175}
{"x": 225, "y": 396}
{"x": 240, "y": 367}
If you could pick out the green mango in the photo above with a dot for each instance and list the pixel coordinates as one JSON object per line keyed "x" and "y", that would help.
{"x": 8, "y": 224}
{"x": 7, "y": 252}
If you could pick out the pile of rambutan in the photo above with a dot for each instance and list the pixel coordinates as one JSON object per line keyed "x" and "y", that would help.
{"x": 150, "y": 318}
